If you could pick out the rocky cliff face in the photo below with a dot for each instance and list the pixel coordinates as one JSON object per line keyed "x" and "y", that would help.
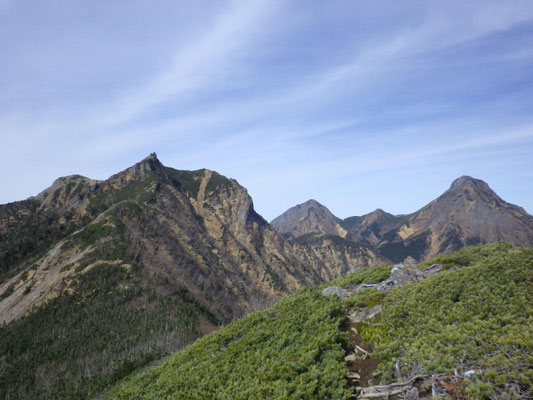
{"x": 372, "y": 228}
{"x": 114, "y": 274}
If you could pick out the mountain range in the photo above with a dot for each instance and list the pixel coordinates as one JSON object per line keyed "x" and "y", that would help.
{"x": 468, "y": 213}
{"x": 99, "y": 278}
{"x": 193, "y": 229}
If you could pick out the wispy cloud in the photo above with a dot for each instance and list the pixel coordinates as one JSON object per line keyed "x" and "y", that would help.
{"x": 196, "y": 65}
{"x": 274, "y": 94}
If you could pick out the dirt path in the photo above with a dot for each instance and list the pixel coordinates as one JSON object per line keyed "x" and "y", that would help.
{"x": 362, "y": 365}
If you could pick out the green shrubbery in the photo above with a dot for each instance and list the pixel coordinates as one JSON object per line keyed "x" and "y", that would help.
{"x": 91, "y": 233}
{"x": 367, "y": 275}
{"x": 469, "y": 255}
{"x": 294, "y": 350}
{"x": 187, "y": 180}
{"x": 365, "y": 298}
{"x": 217, "y": 182}
{"x": 478, "y": 317}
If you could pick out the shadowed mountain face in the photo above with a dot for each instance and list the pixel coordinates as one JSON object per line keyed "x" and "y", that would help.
{"x": 468, "y": 213}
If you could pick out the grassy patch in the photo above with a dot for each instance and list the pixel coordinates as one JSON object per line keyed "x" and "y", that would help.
{"x": 92, "y": 233}
{"x": 367, "y": 275}
{"x": 189, "y": 181}
{"x": 217, "y": 182}
{"x": 468, "y": 255}
{"x": 365, "y": 298}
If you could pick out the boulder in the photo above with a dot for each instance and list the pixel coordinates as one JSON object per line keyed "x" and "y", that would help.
{"x": 335, "y": 290}
{"x": 402, "y": 275}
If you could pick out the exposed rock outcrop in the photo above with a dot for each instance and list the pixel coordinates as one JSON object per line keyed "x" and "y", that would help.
{"x": 365, "y": 314}
{"x": 335, "y": 291}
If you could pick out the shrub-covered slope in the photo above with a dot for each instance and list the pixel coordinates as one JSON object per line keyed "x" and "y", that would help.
{"x": 477, "y": 316}
{"x": 294, "y": 350}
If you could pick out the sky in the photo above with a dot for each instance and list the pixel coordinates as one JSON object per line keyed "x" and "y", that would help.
{"x": 356, "y": 104}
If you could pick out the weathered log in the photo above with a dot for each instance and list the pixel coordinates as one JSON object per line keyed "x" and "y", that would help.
{"x": 365, "y": 353}
{"x": 350, "y": 358}
{"x": 384, "y": 391}
{"x": 353, "y": 375}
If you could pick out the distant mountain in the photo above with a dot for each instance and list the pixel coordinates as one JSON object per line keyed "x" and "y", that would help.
{"x": 373, "y": 227}
{"x": 468, "y": 213}
{"x": 113, "y": 274}
{"x": 310, "y": 217}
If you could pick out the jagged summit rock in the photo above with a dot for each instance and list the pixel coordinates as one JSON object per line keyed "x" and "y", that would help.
{"x": 470, "y": 212}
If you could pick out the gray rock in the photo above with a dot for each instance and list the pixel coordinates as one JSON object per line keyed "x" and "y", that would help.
{"x": 402, "y": 275}
{"x": 409, "y": 262}
{"x": 433, "y": 269}
{"x": 365, "y": 314}
{"x": 335, "y": 290}
{"x": 412, "y": 394}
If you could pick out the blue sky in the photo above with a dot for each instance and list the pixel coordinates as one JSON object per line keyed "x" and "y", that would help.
{"x": 357, "y": 104}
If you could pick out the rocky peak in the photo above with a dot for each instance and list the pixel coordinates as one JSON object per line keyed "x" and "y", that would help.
{"x": 377, "y": 215}
{"x": 312, "y": 206}
{"x": 145, "y": 166}
{"x": 311, "y": 203}
{"x": 467, "y": 182}
{"x": 467, "y": 190}
{"x": 469, "y": 212}
{"x": 308, "y": 217}
{"x": 140, "y": 171}
{"x": 66, "y": 191}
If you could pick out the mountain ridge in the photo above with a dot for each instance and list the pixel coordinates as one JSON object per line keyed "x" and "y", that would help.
{"x": 469, "y": 212}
